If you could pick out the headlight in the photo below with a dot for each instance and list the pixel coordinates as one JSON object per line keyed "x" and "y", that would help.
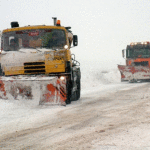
{"x": 66, "y": 46}
{"x": 62, "y": 78}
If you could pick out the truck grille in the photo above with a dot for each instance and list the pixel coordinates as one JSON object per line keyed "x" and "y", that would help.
{"x": 34, "y": 68}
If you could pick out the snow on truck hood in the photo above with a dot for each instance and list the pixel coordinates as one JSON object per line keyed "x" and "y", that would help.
{"x": 18, "y": 58}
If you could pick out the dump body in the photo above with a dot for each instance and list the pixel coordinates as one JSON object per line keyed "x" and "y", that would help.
{"x": 38, "y": 58}
{"x": 137, "y": 62}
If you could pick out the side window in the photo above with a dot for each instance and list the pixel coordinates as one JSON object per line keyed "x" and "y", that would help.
{"x": 11, "y": 40}
{"x": 13, "y": 43}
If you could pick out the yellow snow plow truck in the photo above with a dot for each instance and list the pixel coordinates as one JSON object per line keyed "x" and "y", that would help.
{"x": 36, "y": 63}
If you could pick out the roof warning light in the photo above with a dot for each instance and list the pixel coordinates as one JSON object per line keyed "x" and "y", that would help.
{"x": 58, "y": 23}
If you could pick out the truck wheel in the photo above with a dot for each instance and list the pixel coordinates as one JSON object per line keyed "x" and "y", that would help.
{"x": 69, "y": 87}
{"x": 76, "y": 94}
{"x": 78, "y": 88}
{"x": 68, "y": 100}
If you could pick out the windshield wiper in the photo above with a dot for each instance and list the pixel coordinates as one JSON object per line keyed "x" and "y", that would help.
{"x": 35, "y": 49}
{"x": 13, "y": 51}
{"x": 55, "y": 49}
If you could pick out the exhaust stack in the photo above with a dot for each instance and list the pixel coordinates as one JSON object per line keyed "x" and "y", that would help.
{"x": 55, "y": 20}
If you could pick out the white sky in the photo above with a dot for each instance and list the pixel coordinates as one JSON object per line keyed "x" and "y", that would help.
{"x": 104, "y": 27}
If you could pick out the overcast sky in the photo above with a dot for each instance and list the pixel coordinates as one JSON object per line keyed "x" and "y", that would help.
{"x": 104, "y": 27}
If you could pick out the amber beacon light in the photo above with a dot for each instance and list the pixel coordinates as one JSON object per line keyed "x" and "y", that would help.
{"x": 58, "y": 23}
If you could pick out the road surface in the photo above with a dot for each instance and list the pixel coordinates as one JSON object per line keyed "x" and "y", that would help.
{"x": 114, "y": 119}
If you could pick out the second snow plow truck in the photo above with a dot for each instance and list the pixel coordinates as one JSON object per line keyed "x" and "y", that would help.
{"x": 36, "y": 63}
{"x": 137, "y": 66}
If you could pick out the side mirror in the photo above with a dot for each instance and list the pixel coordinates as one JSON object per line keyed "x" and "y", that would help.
{"x": 123, "y": 53}
{"x": 75, "y": 40}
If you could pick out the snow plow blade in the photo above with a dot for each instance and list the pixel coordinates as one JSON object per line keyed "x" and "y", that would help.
{"x": 51, "y": 90}
{"x": 134, "y": 73}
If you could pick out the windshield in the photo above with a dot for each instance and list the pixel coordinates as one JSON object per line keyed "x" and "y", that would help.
{"x": 138, "y": 53}
{"x": 43, "y": 38}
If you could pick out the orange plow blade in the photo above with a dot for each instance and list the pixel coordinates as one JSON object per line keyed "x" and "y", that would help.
{"x": 49, "y": 90}
{"x": 129, "y": 73}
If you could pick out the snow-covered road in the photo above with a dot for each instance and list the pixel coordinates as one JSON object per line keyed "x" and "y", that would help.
{"x": 109, "y": 115}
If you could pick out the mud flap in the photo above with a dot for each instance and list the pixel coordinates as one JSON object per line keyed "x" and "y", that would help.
{"x": 44, "y": 89}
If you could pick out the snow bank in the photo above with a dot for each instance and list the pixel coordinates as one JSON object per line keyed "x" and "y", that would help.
{"x": 94, "y": 74}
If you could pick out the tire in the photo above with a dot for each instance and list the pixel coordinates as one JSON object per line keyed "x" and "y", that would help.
{"x": 69, "y": 91}
{"x": 76, "y": 94}
{"x": 73, "y": 95}
{"x": 78, "y": 87}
